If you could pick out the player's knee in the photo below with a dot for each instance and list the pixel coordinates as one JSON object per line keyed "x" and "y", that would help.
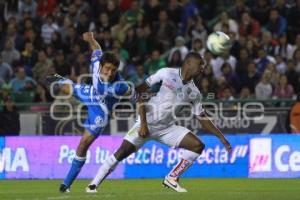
{"x": 124, "y": 151}
{"x": 198, "y": 147}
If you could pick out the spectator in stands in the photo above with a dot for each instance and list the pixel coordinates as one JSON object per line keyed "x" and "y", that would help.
{"x": 73, "y": 13}
{"x": 131, "y": 43}
{"x": 80, "y": 66}
{"x": 267, "y": 43}
{"x": 246, "y": 93}
{"x": 102, "y": 24}
{"x": 71, "y": 39}
{"x": 249, "y": 26}
{"x": 43, "y": 67}
{"x": 263, "y": 89}
{"x": 231, "y": 77}
{"x": 252, "y": 47}
{"x": 45, "y": 7}
{"x": 56, "y": 41}
{"x": 280, "y": 65}
{"x": 5, "y": 72}
{"x": 250, "y": 79}
{"x": 165, "y": 30}
{"x": 154, "y": 63}
{"x": 42, "y": 94}
{"x": 151, "y": 8}
{"x": 22, "y": 82}
{"x": 176, "y": 60}
{"x": 13, "y": 35}
{"x": 227, "y": 95}
{"x": 28, "y": 6}
{"x": 113, "y": 12}
{"x": 61, "y": 67}
{"x": 263, "y": 60}
{"x": 9, "y": 53}
{"x": 296, "y": 58}
{"x": 284, "y": 49}
{"x": 48, "y": 29}
{"x": 73, "y": 55}
{"x": 283, "y": 90}
{"x": 132, "y": 13}
{"x": 242, "y": 62}
{"x": 277, "y": 24}
{"x": 208, "y": 73}
{"x": 174, "y": 10}
{"x": 225, "y": 20}
{"x": 297, "y": 43}
{"x": 260, "y": 11}
{"x": 179, "y": 45}
{"x": 293, "y": 20}
{"x": 198, "y": 30}
{"x": 189, "y": 10}
{"x": 29, "y": 56}
{"x": 10, "y": 119}
{"x": 292, "y": 75}
{"x": 138, "y": 77}
{"x": 220, "y": 60}
{"x": 83, "y": 25}
{"x": 239, "y": 9}
{"x": 283, "y": 7}
{"x": 274, "y": 75}
{"x": 119, "y": 30}
{"x": 198, "y": 47}
{"x": 206, "y": 87}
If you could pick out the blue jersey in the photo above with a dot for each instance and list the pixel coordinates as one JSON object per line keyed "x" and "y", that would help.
{"x": 100, "y": 97}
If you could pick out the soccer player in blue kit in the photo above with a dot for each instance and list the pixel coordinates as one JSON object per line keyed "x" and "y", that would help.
{"x": 106, "y": 90}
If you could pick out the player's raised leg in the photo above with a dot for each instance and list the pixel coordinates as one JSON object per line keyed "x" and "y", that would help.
{"x": 193, "y": 148}
{"x": 110, "y": 164}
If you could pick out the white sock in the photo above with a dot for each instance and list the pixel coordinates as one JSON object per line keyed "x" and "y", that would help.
{"x": 108, "y": 166}
{"x": 187, "y": 160}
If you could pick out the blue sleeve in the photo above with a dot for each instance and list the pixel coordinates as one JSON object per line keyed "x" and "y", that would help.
{"x": 111, "y": 89}
{"x": 96, "y": 55}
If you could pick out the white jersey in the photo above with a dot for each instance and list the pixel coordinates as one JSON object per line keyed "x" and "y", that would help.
{"x": 172, "y": 96}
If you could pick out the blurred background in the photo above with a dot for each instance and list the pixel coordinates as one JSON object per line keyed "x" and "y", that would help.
{"x": 260, "y": 71}
{"x": 42, "y": 37}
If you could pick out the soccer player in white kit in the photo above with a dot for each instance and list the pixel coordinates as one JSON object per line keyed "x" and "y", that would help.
{"x": 156, "y": 121}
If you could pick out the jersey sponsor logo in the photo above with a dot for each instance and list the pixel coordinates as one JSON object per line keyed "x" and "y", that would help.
{"x": 169, "y": 85}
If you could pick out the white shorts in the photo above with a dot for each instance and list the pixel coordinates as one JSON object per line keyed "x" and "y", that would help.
{"x": 170, "y": 136}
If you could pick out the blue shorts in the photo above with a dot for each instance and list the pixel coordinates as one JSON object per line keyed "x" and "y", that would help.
{"x": 97, "y": 117}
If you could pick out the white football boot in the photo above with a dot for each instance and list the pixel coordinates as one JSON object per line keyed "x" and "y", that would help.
{"x": 172, "y": 183}
{"x": 91, "y": 189}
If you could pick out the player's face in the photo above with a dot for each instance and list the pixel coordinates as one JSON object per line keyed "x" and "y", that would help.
{"x": 195, "y": 67}
{"x": 108, "y": 71}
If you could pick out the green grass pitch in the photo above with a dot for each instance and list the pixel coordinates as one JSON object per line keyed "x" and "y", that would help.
{"x": 144, "y": 189}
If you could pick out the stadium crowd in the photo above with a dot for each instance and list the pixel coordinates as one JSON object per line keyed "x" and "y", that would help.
{"x": 41, "y": 37}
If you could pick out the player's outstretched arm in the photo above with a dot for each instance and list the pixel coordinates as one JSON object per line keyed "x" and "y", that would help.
{"x": 89, "y": 37}
{"x": 210, "y": 126}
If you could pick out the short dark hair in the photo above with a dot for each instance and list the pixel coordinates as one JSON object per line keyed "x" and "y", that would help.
{"x": 193, "y": 55}
{"x": 110, "y": 57}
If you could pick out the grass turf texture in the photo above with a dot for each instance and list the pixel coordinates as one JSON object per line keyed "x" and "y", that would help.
{"x": 200, "y": 189}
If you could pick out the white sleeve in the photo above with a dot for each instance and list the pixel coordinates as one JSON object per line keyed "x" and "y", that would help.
{"x": 156, "y": 78}
{"x": 197, "y": 108}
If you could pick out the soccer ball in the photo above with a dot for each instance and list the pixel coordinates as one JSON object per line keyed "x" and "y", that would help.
{"x": 218, "y": 42}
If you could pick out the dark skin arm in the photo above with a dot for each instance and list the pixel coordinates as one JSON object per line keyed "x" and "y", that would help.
{"x": 209, "y": 125}
{"x": 143, "y": 91}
